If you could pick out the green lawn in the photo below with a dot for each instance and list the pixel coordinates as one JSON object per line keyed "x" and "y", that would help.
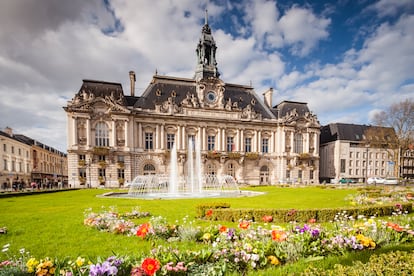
{"x": 52, "y": 224}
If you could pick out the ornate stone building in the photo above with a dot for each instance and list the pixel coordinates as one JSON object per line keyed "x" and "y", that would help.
{"x": 113, "y": 137}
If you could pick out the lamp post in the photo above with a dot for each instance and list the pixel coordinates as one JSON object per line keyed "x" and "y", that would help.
{"x": 366, "y": 165}
{"x": 88, "y": 164}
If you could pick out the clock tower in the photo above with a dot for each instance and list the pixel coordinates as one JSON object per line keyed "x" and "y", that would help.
{"x": 210, "y": 88}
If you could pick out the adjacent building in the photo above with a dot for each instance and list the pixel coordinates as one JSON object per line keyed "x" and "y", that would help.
{"x": 25, "y": 161}
{"x": 407, "y": 163}
{"x": 113, "y": 137}
{"x": 357, "y": 152}
{"x": 16, "y": 160}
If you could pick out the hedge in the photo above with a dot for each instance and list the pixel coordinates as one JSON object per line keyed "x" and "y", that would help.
{"x": 222, "y": 212}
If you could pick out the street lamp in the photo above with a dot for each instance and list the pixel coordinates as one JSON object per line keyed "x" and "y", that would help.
{"x": 89, "y": 172}
{"x": 366, "y": 165}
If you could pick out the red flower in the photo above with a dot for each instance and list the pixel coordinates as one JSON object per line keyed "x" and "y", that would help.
{"x": 278, "y": 235}
{"x": 267, "y": 218}
{"x": 312, "y": 220}
{"x": 222, "y": 229}
{"x": 150, "y": 266}
{"x": 244, "y": 224}
{"x": 143, "y": 229}
{"x": 395, "y": 226}
{"x": 209, "y": 212}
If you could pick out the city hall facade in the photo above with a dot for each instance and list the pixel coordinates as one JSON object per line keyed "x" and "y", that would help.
{"x": 114, "y": 137}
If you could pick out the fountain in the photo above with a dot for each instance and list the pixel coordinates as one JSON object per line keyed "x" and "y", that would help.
{"x": 193, "y": 185}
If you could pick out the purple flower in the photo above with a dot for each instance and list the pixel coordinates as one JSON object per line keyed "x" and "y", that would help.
{"x": 315, "y": 233}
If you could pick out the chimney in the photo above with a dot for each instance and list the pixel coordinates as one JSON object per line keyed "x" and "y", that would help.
{"x": 268, "y": 97}
{"x": 132, "y": 79}
{"x": 9, "y": 131}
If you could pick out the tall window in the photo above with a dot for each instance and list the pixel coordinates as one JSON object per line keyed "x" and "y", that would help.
{"x": 4, "y": 147}
{"x": 248, "y": 144}
{"x": 102, "y": 173}
{"x": 230, "y": 143}
{"x": 5, "y": 165}
{"x": 82, "y": 172}
{"x": 170, "y": 140}
{"x": 298, "y": 143}
{"x": 121, "y": 173}
{"x": 192, "y": 138}
{"x": 149, "y": 145}
{"x": 231, "y": 170}
{"x": 101, "y": 135}
{"x": 211, "y": 142}
{"x": 265, "y": 145}
{"x": 343, "y": 165}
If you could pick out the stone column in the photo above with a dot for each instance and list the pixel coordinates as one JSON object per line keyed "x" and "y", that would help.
{"x": 88, "y": 133}
{"x": 162, "y": 137}
{"x": 112, "y": 140}
{"x": 139, "y": 135}
{"x": 157, "y": 137}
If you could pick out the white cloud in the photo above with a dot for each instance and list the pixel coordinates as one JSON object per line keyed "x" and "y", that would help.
{"x": 302, "y": 29}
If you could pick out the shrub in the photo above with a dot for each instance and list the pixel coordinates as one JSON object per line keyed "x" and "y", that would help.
{"x": 223, "y": 213}
{"x": 202, "y": 209}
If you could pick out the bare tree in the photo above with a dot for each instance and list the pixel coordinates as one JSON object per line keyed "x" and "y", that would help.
{"x": 399, "y": 116}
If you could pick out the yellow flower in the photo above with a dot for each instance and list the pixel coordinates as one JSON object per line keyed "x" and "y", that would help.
{"x": 207, "y": 236}
{"x": 80, "y": 261}
{"x": 370, "y": 221}
{"x": 273, "y": 260}
{"x": 31, "y": 265}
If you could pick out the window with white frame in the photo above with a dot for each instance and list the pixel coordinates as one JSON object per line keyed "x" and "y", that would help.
{"x": 265, "y": 145}
{"x": 298, "y": 143}
{"x": 211, "y": 169}
{"x": 149, "y": 169}
{"x": 230, "y": 143}
{"x": 170, "y": 140}
{"x": 149, "y": 140}
{"x": 247, "y": 144}
{"x": 211, "y": 142}
{"x": 231, "y": 170}
{"x": 101, "y": 135}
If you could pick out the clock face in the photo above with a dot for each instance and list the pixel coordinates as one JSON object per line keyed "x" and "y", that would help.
{"x": 211, "y": 96}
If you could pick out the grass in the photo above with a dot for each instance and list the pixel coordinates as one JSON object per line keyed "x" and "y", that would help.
{"x": 52, "y": 224}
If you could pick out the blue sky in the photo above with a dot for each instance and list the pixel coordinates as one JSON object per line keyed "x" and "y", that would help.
{"x": 347, "y": 59}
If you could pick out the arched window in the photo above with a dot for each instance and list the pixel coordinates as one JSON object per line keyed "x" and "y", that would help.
{"x": 264, "y": 175}
{"x": 211, "y": 169}
{"x": 298, "y": 143}
{"x": 101, "y": 135}
{"x": 149, "y": 169}
{"x": 231, "y": 170}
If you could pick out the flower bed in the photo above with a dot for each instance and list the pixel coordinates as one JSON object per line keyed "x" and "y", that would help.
{"x": 249, "y": 246}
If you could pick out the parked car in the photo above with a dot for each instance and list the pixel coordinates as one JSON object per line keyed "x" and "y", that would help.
{"x": 346, "y": 181}
{"x": 391, "y": 181}
{"x": 375, "y": 180}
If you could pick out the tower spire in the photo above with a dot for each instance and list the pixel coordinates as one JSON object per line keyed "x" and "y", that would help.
{"x": 206, "y": 53}
{"x": 206, "y": 18}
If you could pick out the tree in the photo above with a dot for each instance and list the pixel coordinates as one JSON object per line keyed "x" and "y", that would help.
{"x": 399, "y": 116}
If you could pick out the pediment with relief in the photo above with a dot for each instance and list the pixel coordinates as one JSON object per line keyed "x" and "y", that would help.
{"x": 86, "y": 101}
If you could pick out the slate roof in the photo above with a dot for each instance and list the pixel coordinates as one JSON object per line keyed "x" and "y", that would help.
{"x": 285, "y": 107}
{"x": 14, "y": 137}
{"x": 349, "y": 132}
{"x": 162, "y": 87}
{"x": 30, "y": 142}
{"x": 102, "y": 89}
